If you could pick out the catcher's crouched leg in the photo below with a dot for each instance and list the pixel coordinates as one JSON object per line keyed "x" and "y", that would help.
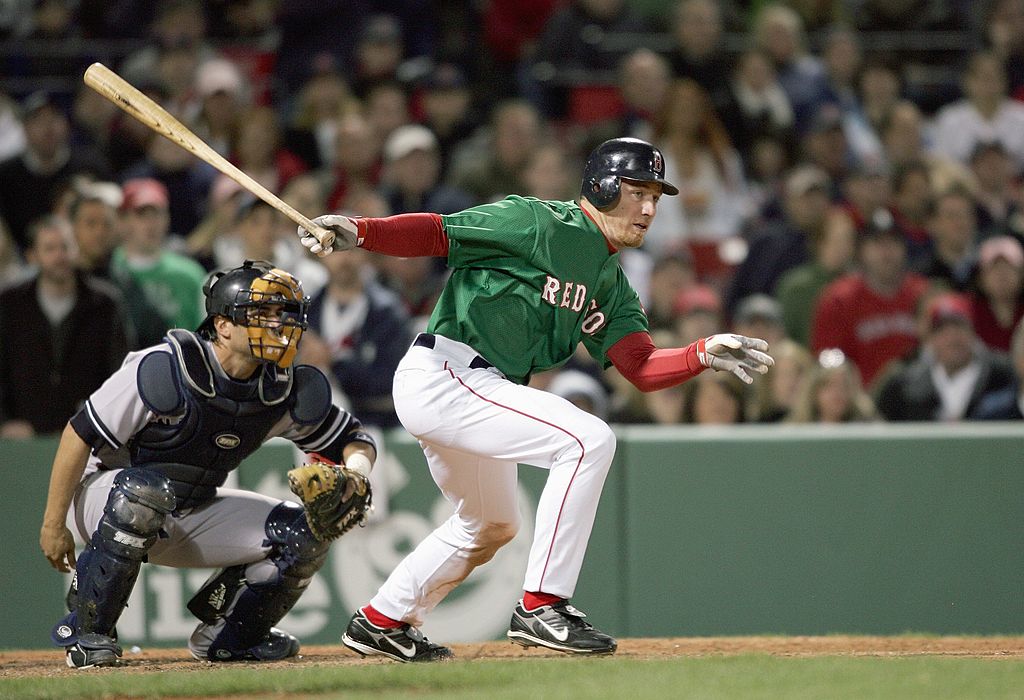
{"x": 106, "y": 571}
{"x": 239, "y": 606}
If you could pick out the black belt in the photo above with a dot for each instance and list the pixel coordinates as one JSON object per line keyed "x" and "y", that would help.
{"x": 427, "y": 340}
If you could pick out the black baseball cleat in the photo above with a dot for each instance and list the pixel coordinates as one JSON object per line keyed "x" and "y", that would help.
{"x": 558, "y": 626}
{"x": 277, "y": 645}
{"x": 93, "y": 650}
{"x": 405, "y": 643}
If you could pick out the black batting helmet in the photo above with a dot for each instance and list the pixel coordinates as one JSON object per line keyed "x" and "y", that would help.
{"x": 615, "y": 159}
{"x": 243, "y": 295}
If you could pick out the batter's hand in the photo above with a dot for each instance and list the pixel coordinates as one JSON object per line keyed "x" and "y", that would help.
{"x": 345, "y": 232}
{"x": 58, "y": 545}
{"x": 736, "y": 354}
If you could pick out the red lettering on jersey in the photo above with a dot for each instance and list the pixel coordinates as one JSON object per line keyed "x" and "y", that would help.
{"x": 566, "y": 293}
{"x": 581, "y": 297}
{"x": 551, "y": 287}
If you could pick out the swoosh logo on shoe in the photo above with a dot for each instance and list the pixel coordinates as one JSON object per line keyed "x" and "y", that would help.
{"x": 407, "y": 651}
{"x": 559, "y": 634}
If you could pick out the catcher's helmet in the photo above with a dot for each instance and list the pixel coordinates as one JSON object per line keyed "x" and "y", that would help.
{"x": 615, "y": 159}
{"x": 264, "y": 299}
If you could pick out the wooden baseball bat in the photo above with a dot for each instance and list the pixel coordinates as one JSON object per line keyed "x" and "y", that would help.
{"x": 123, "y": 94}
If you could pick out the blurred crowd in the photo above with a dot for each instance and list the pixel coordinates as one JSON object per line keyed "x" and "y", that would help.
{"x": 850, "y": 176}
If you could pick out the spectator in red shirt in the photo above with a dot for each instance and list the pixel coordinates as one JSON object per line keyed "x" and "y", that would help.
{"x": 870, "y": 314}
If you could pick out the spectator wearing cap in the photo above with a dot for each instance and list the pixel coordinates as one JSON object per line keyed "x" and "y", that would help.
{"x": 798, "y": 290}
{"x": 93, "y": 216}
{"x": 223, "y": 95}
{"x": 172, "y": 284}
{"x": 698, "y": 311}
{"x": 996, "y": 197}
{"x": 412, "y": 169}
{"x": 582, "y": 390}
{"x": 446, "y": 104}
{"x": 378, "y": 53}
{"x": 32, "y": 180}
{"x": 777, "y": 247}
{"x": 63, "y": 333}
{"x": 870, "y": 314}
{"x": 825, "y": 145}
{"x": 997, "y": 303}
{"x": 760, "y": 314}
{"x": 670, "y": 275}
{"x": 985, "y": 114}
{"x": 954, "y": 370}
{"x": 866, "y": 190}
{"x": 1007, "y": 403}
{"x": 949, "y": 256}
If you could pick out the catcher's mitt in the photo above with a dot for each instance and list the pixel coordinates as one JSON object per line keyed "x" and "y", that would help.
{"x": 336, "y": 499}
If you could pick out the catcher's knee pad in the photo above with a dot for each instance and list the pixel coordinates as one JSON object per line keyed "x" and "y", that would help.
{"x": 271, "y": 586}
{"x": 105, "y": 573}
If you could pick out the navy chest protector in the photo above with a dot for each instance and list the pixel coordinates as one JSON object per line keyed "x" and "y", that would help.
{"x": 206, "y": 423}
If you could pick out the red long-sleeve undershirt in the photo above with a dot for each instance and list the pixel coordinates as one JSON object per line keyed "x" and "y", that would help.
{"x": 635, "y": 356}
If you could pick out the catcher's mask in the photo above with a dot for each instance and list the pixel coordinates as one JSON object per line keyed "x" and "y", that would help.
{"x": 264, "y": 299}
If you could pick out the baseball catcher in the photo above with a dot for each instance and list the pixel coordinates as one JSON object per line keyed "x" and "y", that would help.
{"x": 140, "y": 475}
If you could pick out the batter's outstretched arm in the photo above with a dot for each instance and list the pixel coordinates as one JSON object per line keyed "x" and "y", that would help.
{"x": 55, "y": 539}
{"x": 650, "y": 369}
{"x": 402, "y": 235}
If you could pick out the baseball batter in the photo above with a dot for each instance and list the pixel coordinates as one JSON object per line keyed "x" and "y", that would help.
{"x": 139, "y": 474}
{"x": 530, "y": 280}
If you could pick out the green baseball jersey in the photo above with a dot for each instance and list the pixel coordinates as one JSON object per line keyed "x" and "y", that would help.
{"x": 173, "y": 285}
{"x": 530, "y": 280}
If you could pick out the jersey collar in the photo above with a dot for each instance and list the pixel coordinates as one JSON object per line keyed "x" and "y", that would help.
{"x": 612, "y": 250}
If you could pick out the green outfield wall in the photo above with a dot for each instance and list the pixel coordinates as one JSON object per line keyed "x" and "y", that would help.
{"x": 750, "y": 530}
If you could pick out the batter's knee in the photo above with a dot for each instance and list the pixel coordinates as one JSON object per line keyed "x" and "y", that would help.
{"x": 599, "y": 441}
{"x": 495, "y": 535}
{"x": 486, "y": 538}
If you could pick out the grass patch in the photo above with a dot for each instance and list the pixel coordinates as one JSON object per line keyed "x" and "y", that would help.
{"x": 714, "y": 678}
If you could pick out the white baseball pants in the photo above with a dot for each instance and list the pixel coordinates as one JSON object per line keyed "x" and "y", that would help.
{"x": 475, "y": 426}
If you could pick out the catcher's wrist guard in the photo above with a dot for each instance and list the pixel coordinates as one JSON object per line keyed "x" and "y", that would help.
{"x": 336, "y": 498}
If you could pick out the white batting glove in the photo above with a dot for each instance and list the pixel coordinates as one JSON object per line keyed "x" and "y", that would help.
{"x": 345, "y": 234}
{"x": 736, "y": 354}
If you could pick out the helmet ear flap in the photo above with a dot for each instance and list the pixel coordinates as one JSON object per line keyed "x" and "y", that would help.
{"x": 603, "y": 193}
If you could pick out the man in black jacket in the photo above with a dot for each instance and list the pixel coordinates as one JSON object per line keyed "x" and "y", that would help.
{"x": 954, "y": 371}
{"x": 61, "y": 334}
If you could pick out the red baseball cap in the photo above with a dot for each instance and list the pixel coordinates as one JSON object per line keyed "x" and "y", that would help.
{"x": 1005, "y": 247}
{"x": 144, "y": 192}
{"x": 949, "y": 308}
{"x": 697, "y": 298}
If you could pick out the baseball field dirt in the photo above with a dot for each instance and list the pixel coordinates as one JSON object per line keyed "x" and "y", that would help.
{"x": 41, "y": 663}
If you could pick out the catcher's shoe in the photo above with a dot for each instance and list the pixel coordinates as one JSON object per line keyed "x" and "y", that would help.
{"x": 558, "y": 626}
{"x": 405, "y": 643}
{"x": 277, "y": 645}
{"x": 93, "y": 650}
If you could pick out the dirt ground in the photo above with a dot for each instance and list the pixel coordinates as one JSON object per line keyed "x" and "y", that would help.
{"x": 14, "y": 664}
